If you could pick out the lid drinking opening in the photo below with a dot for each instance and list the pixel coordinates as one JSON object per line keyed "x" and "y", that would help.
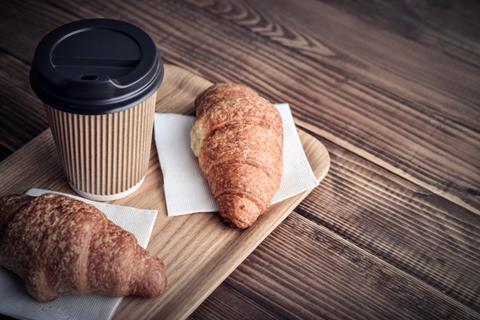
{"x": 89, "y": 77}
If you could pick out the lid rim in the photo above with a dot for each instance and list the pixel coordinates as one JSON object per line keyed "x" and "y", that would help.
{"x": 96, "y": 108}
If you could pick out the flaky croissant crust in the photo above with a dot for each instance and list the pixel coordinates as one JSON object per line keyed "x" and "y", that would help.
{"x": 59, "y": 245}
{"x": 238, "y": 139}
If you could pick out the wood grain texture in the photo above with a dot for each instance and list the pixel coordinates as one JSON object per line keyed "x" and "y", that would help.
{"x": 418, "y": 231}
{"x": 417, "y": 110}
{"x": 446, "y": 25}
{"x": 333, "y": 290}
{"x": 199, "y": 250}
{"x": 393, "y": 85}
{"x": 226, "y": 300}
{"x": 20, "y": 108}
{"x": 334, "y": 280}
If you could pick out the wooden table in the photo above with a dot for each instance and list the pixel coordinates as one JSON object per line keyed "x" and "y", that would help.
{"x": 391, "y": 88}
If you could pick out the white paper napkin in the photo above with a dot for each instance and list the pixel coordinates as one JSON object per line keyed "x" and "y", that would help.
{"x": 15, "y": 301}
{"x": 186, "y": 190}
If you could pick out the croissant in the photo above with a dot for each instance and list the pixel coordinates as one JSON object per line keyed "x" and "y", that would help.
{"x": 237, "y": 137}
{"x": 59, "y": 245}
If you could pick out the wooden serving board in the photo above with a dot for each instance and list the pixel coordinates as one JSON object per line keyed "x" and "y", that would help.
{"x": 199, "y": 250}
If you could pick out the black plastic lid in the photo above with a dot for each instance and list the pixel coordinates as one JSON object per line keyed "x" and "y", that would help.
{"x": 95, "y": 66}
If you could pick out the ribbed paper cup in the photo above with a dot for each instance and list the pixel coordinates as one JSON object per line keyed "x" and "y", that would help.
{"x": 98, "y": 79}
{"x": 105, "y": 157}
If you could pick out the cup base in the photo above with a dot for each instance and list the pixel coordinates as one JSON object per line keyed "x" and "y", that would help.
{"x": 109, "y": 197}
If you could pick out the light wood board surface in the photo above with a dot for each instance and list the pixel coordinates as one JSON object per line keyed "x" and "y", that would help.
{"x": 199, "y": 250}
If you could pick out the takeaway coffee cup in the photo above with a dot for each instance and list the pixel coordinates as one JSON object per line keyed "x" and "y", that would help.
{"x": 98, "y": 79}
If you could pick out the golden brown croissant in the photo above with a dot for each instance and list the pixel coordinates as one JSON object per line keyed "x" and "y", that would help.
{"x": 238, "y": 139}
{"x": 59, "y": 245}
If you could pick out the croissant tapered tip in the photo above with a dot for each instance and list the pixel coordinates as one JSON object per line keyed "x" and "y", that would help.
{"x": 238, "y": 211}
{"x": 153, "y": 281}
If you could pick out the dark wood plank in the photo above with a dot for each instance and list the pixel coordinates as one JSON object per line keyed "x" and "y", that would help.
{"x": 21, "y": 113}
{"x": 451, "y": 26}
{"x": 4, "y": 152}
{"x": 226, "y": 300}
{"x": 303, "y": 271}
{"x": 418, "y": 231}
{"x": 404, "y": 103}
